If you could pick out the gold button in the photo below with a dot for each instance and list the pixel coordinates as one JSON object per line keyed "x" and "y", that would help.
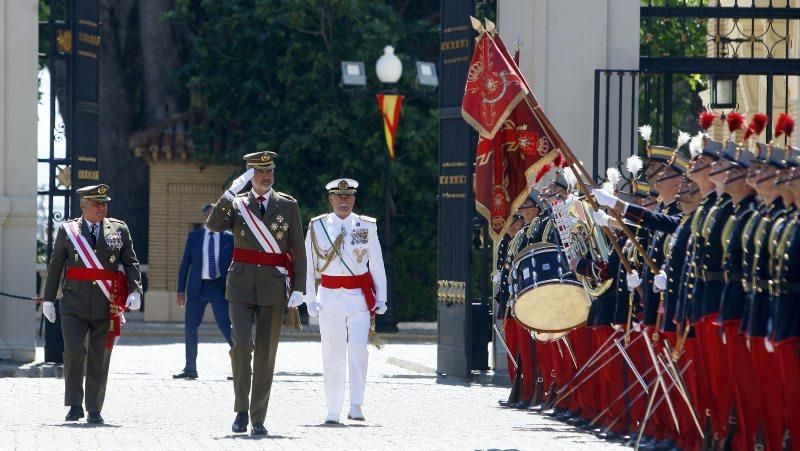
{"x": 94, "y": 282}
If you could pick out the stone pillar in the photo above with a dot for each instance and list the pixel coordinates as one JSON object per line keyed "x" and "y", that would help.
{"x": 563, "y": 43}
{"x": 18, "y": 94}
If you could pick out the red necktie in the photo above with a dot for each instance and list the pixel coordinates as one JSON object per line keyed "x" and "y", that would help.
{"x": 261, "y": 208}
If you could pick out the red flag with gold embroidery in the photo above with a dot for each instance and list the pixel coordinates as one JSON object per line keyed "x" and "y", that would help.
{"x": 390, "y": 105}
{"x": 507, "y": 162}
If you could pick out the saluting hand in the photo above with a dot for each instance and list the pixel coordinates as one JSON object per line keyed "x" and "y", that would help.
{"x": 239, "y": 183}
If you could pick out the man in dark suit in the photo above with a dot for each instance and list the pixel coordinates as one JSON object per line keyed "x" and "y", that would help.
{"x": 201, "y": 280}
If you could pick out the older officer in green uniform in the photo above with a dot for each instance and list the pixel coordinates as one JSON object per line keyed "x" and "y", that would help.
{"x": 268, "y": 257}
{"x": 90, "y": 255}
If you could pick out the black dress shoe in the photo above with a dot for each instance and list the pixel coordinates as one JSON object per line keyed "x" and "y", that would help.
{"x": 565, "y": 416}
{"x": 537, "y": 408}
{"x": 95, "y": 418}
{"x": 259, "y": 429}
{"x": 75, "y": 413}
{"x": 240, "y": 423}
{"x": 578, "y": 422}
{"x": 522, "y": 405}
{"x": 608, "y": 435}
{"x": 185, "y": 375}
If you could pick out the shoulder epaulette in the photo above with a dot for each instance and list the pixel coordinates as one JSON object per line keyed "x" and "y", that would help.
{"x": 368, "y": 218}
{"x": 118, "y": 221}
{"x": 284, "y": 195}
{"x": 318, "y": 217}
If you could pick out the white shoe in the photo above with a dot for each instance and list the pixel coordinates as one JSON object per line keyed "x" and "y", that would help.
{"x": 355, "y": 413}
{"x": 332, "y": 419}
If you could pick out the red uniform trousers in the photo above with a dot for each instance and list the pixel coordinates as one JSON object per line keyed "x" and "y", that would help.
{"x": 769, "y": 381}
{"x": 520, "y": 343}
{"x": 745, "y": 389}
{"x": 787, "y": 353}
{"x": 714, "y": 355}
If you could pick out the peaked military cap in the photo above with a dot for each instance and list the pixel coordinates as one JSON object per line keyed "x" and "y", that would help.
{"x": 97, "y": 193}
{"x": 342, "y": 186}
{"x": 261, "y": 161}
{"x": 713, "y": 148}
{"x": 679, "y": 164}
{"x": 536, "y": 199}
{"x": 661, "y": 154}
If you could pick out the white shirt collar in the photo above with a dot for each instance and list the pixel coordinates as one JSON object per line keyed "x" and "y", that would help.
{"x": 267, "y": 195}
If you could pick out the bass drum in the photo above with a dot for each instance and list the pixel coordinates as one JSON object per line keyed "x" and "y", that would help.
{"x": 550, "y": 299}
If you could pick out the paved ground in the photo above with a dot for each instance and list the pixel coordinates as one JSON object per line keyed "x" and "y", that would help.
{"x": 407, "y": 406}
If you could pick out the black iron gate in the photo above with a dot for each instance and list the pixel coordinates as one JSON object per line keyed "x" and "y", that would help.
{"x": 68, "y": 57}
{"x": 731, "y": 41}
{"x": 463, "y": 245}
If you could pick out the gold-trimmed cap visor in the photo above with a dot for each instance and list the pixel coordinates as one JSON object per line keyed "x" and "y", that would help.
{"x": 97, "y": 193}
{"x": 261, "y": 161}
{"x": 661, "y": 154}
{"x": 342, "y": 186}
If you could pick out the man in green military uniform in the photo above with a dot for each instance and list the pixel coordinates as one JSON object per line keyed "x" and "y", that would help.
{"x": 268, "y": 257}
{"x": 94, "y": 257}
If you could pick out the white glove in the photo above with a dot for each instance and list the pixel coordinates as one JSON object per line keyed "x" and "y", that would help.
{"x": 603, "y": 198}
{"x": 295, "y": 299}
{"x": 313, "y": 308}
{"x": 380, "y": 308}
{"x": 239, "y": 183}
{"x": 49, "y": 311}
{"x": 633, "y": 280}
{"x": 660, "y": 281}
{"x": 601, "y": 218}
{"x": 134, "y": 301}
{"x": 496, "y": 277}
{"x": 768, "y": 345}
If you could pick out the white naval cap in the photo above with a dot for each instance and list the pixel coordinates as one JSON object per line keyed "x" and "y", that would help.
{"x": 342, "y": 186}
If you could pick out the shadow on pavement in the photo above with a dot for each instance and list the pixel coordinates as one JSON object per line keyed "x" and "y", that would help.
{"x": 254, "y": 437}
{"x": 82, "y": 425}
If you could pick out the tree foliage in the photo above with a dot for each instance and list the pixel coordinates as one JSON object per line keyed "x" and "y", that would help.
{"x": 270, "y": 71}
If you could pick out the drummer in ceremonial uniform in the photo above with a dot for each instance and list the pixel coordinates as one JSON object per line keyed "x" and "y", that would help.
{"x": 345, "y": 255}
{"x": 269, "y": 263}
{"x": 519, "y": 338}
{"x": 94, "y": 264}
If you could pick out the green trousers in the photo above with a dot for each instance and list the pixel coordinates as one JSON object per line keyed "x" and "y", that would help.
{"x": 79, "y": 361}
{"x": 268, "y": 319}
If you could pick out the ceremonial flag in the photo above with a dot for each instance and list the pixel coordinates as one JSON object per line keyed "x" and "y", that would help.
{"x": 513, "y": 143}
{"x": 390, "y": 105}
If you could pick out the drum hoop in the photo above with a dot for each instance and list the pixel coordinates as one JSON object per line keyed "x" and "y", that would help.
{"x": 527, "y": 250}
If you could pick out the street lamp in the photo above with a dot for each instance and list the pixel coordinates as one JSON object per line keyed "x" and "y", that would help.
{"x": 389, "y": 70}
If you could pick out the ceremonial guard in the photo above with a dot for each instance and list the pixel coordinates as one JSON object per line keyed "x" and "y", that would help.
{"x": 519, "y": 339}
{"x": 269, "y": 262}
{"x": 502, "y": 314}
{"x": 94, "y": 264}
{"x": 345, "y": 255}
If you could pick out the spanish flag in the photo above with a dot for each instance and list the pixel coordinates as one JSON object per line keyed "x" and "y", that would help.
{"x": 390, "y": 105}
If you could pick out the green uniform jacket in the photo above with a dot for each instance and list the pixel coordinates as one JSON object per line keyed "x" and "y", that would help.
{"x": 84, "y": 299}
{"x": 258, "y": 284}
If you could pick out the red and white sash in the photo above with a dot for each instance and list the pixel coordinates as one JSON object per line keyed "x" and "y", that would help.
{"x": 268, "y": 242}
{"x": 87, "y": 255}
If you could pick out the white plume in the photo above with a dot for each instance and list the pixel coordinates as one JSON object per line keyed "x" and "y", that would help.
{"x": 683, "y": 138}
{"x": 634, "y": 165}
{"x": 571, "y": 179}
{"x": 696, "y": 145}
{"x": 614, "y": 176}
{"x": 609, "y": 188}
{"x": 646, "y": 131}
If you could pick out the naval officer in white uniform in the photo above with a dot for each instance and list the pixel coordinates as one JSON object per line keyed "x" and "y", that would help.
{"x": 346, "y": 259}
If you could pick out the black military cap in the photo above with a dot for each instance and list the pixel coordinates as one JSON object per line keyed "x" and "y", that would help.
{"x": 97, "y": 193}
{"x": 713, "y": 148}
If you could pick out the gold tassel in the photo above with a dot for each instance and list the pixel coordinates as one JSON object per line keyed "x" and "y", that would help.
{"x": 293, "y": 319}
{"x": 374, "y": 338}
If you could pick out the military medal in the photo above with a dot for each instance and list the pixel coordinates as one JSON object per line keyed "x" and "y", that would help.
{"x": 112, "y": 259}
{"x": 360, "y": 236}
{"x": 242, "y": 233}
{"x": 279, "y": 227}
{"x": 359, "y": 254}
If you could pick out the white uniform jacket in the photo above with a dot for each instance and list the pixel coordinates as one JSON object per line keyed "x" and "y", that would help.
{"x": 360, "y": 253}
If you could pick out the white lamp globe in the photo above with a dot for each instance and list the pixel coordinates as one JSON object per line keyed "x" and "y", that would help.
{"x": 389, "y": 67}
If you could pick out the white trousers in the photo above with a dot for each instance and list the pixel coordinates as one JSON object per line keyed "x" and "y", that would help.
{"x": 344, "y": 331}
